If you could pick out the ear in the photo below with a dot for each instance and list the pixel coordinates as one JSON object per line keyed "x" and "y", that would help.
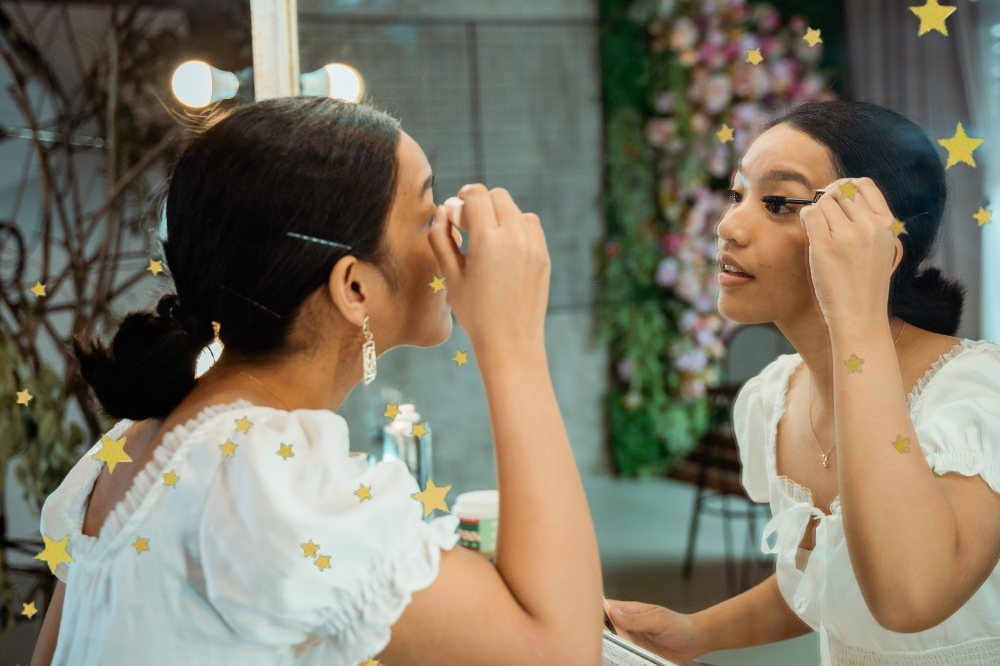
{"x": 349, "y": 290}
{"x": 897, "y": 255}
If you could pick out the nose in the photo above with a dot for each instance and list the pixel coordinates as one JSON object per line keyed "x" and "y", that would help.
{"x": 732, "y": 228}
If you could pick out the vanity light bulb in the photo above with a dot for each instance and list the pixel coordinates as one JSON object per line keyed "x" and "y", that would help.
{"x": 198, "y": 84}
{"x": 334, "y": 80}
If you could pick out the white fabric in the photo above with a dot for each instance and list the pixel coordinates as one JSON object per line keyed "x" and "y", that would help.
{"x": 955, "y": 409}
{"x": 225, "y": 580}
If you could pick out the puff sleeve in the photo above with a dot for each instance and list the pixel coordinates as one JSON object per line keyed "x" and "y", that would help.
{"x": 264, "y": 507}
{"x": 958, "y": 415}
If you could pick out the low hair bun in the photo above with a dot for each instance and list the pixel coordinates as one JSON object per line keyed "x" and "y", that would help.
{"x": 929, "y": 301}
{"x": 149, "y": 367}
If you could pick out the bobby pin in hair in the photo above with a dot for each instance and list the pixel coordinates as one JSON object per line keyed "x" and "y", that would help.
{"x": 321, "y": 241}
{"x": 250, "y": 301}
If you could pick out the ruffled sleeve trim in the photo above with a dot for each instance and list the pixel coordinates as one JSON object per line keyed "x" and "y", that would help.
{"x": 359, "y": 624}
{"x": 915, "y": 400}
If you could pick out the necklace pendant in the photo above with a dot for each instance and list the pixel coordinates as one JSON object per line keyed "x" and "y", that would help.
{"x": 826, "y": 462}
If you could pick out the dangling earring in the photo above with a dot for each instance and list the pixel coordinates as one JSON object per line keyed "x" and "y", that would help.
{"x": 368, "y": 353}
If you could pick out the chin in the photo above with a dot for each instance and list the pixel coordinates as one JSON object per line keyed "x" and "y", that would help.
{"x": 741, "y": 312}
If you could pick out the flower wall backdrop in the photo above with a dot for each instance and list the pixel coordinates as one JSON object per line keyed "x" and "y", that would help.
{"x": 687, "y": 85}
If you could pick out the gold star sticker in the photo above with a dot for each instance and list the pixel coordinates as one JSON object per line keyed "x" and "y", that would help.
{"x": 725, "y": 134}
{"x": 28, "y": 610}
{"x": 897, "y": 227}
{"x": 55, "y": 552}
{"x": 960, "y": 147}
{"x": 171, "y": 479}
{"x": 322, "y": 562}
{"x": 155, "y": 267}
{"x": 391, "y": 410}
{"x": 419, "y": 430}
{"x": 364, "y": 492}
{"x": 285, "y": 451}
{"x": 460, "y": 358}
{"x": 983, "y": 216}
{"x": 243, "y": 425}
{"x": 309, "y": 549}
{"x": 854, "y": 364}
{"x": 902, "y": 444}
{"x": 432, "y": 497}
{"x": 112, "y": 452}
{"x": 754, "y": 57}
{"x": 228, "y": 449}
{"x": 437, "y": 284}
{"x": 848, "y": 190}
{"x": 812, "y": 37}
{"x": 23, "y": 397}
{"x": 371, "y": 662}
{"x": 932, "y": 16}
{"x": 38, "y": 290}
{"x": 141, "y": 544}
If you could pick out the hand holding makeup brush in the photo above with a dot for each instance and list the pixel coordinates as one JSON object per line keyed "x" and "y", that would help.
{"x": 852, "y": 251}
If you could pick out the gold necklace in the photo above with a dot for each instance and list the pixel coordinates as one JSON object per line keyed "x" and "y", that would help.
{"x": 264, "y": 386}
{"x": 825, "y": 457}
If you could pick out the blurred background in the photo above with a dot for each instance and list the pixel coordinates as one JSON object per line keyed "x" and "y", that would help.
{"x": 618, "y": 121}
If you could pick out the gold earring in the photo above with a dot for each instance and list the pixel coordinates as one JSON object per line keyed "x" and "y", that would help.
{"x": 368, "y": 353}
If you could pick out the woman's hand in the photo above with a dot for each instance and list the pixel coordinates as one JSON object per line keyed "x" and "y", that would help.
{"x": 499, "y": 290}
{"x": 671, "y": 635}
{"x": 853, "y": 250}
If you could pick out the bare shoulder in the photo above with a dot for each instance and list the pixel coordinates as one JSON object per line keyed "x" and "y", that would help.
{"x": 920, "y": 351}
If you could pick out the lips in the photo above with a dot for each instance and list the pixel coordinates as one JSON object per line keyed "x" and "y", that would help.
{"x": 728, "y": 264}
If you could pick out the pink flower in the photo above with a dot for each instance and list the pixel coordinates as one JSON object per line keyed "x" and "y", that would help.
{"x": 718, "y": 165}
{"x": 666, "y": 272}
{"x": 769, "y": 21}
{"x": 659, "y": 131}
{"x": 705, "y": 302}
{"x": 672, "y": 243}
{"x": 783, "y": 73}
{"x": 684, "y": 35}
{"x": 718, "y": 93}
{"x": 688, "y": 286}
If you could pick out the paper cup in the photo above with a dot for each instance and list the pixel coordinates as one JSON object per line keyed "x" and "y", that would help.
{"x": 477, "y": 513}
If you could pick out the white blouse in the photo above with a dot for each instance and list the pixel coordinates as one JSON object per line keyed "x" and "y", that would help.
{"x": 955, "y": 410}
{"x": 209, "y": 559}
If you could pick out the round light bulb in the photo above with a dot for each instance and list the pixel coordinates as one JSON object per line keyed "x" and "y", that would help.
{"x": 207, "y": 358}
{"x": 192, "y": 84}
{"x": 345, "y": 82}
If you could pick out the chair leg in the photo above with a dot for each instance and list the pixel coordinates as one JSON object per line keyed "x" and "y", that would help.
{"x": 749, "y": 558}
{"x": 688, "y": 567}
{"x": 732, "y": 584}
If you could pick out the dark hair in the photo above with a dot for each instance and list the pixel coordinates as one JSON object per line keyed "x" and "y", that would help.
{"x": 314, "y": 166}
{"x": 865, "y": 140}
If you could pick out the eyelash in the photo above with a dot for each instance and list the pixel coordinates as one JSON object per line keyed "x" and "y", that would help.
{"x": 735, "y": 197}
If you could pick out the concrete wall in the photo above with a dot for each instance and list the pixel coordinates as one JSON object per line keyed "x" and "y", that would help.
{"x": 505, "y": 93}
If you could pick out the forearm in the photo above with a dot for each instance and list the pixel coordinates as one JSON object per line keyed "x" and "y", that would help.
{"x": 758, "y": 616}
{"x": 900, "y": 528}
{"x": 546, "y": 549}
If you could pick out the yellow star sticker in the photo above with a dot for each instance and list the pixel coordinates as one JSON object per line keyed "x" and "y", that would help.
{"x": 228, "y": 449}
{"x": 932, "y": 16}
{"x": 364, "y": 492}
{"x": 55, "y": 552}
{"x": 23, "y": 397}
{"x": 243, "y": 425}
{"x": 28, "y": 610}
{"x": 419, "y": 430}
{"x": 754, "y": 57}
{"x": 725, "y": 134}
{"x": 437, "y": 284}
{"x": 155, "y": 267}
{"x": 171, "y": 479}
{"x": 460, "y": 358}
{"x": 112, "y": 452}
{"x": 432, "y": 498}
{"x": 854, "y": 364}
{"x": 983, "y": 217}
{"x": 897, "y": 227}
{"x": 141, "y": 544}
{"x": 813, "y": 37}
{"x": 322, "y": 562}
{"x": 285, "y": 451}
{"x": 848, "y": 190}
{"x": 902, "y": 444}
{"x": 38, "y": 290}
{"x": 391, "y": 410}
{"x": 960, "y": 147}
{"x": 309, "y": 549}
{"x": 371, "y": 662}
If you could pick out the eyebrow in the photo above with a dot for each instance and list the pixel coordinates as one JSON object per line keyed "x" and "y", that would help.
{"x": 779, "y": 176}
{"x": 428, "y": 184}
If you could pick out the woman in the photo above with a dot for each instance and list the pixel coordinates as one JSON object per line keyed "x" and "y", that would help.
{"x": 878, "y": 443}
{"x": 232, "y": 527}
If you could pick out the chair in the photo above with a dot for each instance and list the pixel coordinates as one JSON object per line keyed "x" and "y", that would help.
{"x": 714, "y": 463}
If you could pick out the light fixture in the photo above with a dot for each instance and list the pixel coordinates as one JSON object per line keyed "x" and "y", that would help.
{"x": 198, "y": 84}
{"x": 208, "y": 357}
{"x": 334, "y": 80}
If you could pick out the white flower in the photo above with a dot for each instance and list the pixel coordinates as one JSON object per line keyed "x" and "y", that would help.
{"x": 718, "y": 93}
{"x": 666, "y": 272}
